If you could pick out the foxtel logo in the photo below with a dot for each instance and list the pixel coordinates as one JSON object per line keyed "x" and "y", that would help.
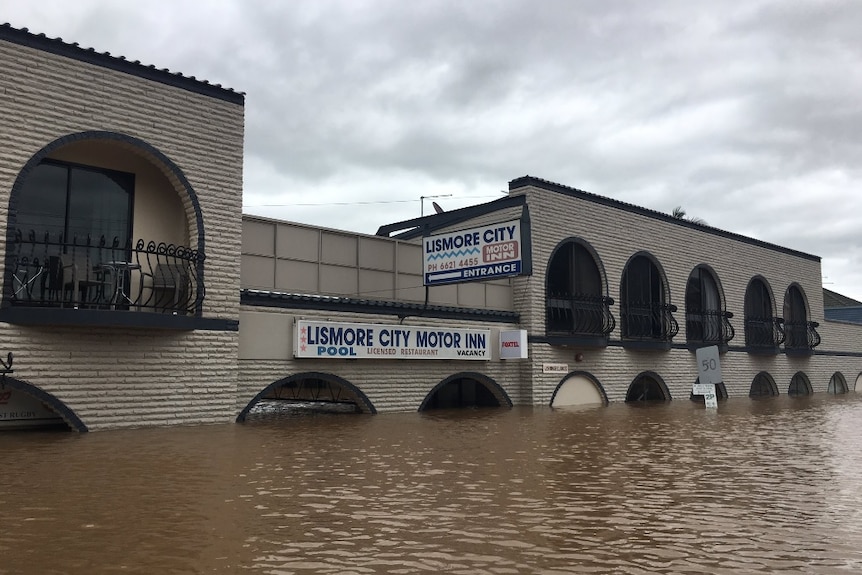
{"x": 511, "y": 344}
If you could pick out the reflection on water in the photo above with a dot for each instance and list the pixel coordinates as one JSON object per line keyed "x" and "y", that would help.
{"x": 766, "y": 486}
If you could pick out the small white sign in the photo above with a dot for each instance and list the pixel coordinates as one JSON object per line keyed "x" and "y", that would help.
{"x": 513, "y": 344}
{"x": 559, "y": 368}
{"x": 702, "y": 389}
{"x": 708, "y": 365}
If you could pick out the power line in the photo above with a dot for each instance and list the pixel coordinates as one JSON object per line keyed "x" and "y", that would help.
{"x": 353, "y": 203}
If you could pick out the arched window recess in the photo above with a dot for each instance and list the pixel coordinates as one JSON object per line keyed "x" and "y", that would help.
{"x": 707, "y": 322}
{"x": 764, "y": 332}
{"x": 645, "y": 311}
{"x": 801, "y": 334}
{"x": 577, "y": 308}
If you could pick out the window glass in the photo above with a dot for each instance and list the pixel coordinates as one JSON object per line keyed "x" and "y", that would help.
{"x": 42, "y": 202}
{"x": 74, "y": 202}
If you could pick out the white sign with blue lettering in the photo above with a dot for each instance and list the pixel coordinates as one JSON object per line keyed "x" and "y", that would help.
{"x": 476, "y": 254}
{"x": 334, "y": 340}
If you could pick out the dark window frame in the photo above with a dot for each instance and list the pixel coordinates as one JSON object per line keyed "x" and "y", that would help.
{"x": 645, "y": 308}
{"x": 576, "y": 300}
{"x": 706, "y": 314}
{"x": 763, "y": 329}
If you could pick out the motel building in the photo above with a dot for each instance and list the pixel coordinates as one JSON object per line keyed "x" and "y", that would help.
{"x": 136, "y": 293}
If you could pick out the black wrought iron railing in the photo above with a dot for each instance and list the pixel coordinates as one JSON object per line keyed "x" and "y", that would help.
{"x": 648, "y": 320}
{"x": 579, "y": 314}
{"x": 764, "y": 332}
{"x": 709, "y": 327}
{"x": 801, "y": 335}
{"x": 45, "y": 271}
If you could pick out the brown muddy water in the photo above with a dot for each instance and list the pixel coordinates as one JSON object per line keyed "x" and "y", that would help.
{"x": 765, "y": 486}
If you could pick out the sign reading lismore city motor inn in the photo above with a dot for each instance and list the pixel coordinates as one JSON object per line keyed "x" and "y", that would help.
{"x": 476, "y": 254}
{"x": 332, "y": 340}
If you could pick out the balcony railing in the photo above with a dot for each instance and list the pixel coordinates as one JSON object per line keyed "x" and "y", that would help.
{"x": 45, "y": 271}
{"x": 579, "y": 314}
{"x": 709, "y": 327}
{"x": 648, "y": 321}
{"x": 801, "y": 335}
{"x": 764, "y": 332}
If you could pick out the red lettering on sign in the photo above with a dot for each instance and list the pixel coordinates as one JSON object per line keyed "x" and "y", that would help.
{"x": 500, "y": 252}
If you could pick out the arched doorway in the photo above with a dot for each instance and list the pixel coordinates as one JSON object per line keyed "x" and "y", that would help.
{"x": 837, "y": 384}
{"x": 90, "y": 199}
{"x": 466, "y": 389}
{"x": 645, "y": 309}
{"x": 763, "y": 386}
{"x": 647, "y": 386}
{"x": 310, "y": 391}
{"x": 25, "y": 406}
{"x": 579, "y": 388}
{"x": 799, "y": 385}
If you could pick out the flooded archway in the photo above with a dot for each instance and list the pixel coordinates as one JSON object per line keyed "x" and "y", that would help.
{"x": 579, "y": 388}
{"x": 466, "y": 389}
{"x": 837, "y": 384}
{"x": 25, "y": 406}
{"x": 799, "y": 385}
{"x": 647, "y": 386}
{"x": 308, "y": 392}
{"x": 763, "y": 386}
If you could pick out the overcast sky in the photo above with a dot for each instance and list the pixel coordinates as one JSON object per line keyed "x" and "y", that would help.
{"x": 746, "y": 114}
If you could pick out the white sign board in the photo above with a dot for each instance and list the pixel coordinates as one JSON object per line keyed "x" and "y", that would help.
{"x": 558, "y": 368}
{"x": 476, "y": 254}
{"x": 513, "y": 344}
{"x": 707, "y": 390}
{"x": 702, "y": 389}
{"x": 339, "y": 340}
{"x": 708, "y": 365}
{"x": 709, "y": 374}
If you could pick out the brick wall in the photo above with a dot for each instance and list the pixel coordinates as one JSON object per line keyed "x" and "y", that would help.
{"x": 118, "y": 377}
{"x": 617, "y": 234}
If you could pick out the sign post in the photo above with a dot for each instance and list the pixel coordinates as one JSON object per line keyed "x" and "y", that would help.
{"x": 709, "y": 375}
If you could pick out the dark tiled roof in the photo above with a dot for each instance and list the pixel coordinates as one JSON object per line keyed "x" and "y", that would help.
{"x": 409, "y": 229}
{"x": 525, "y": 181}
{"x": 355, "y": 305}
{"x": 24, "y": 37}
{"x": 834, "y": 299}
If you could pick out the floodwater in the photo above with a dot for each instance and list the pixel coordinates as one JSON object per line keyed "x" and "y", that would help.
{"x": 760, "y": 486}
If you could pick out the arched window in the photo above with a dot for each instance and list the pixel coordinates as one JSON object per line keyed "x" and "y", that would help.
{"x": 576, "y": 303}
{"x": 801, "y": 335}
{"x": 837, "y": 383}
{"x": 799, "y": 385}
{"x": 644, "y": 311}
{"x": 763, "y": 386}
{"x": 762, "y": 329}
{"x": 647, "y": 387}
{"x": 706, "y": 321}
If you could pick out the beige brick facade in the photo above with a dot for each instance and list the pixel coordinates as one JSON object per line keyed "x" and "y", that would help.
{"x": 617, "y": 233}
{"x": 114, "y": 376}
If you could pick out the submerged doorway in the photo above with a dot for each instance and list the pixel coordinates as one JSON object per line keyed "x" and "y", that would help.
{"x": 466, "y": 390}
{"x": 647, "y": 387}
